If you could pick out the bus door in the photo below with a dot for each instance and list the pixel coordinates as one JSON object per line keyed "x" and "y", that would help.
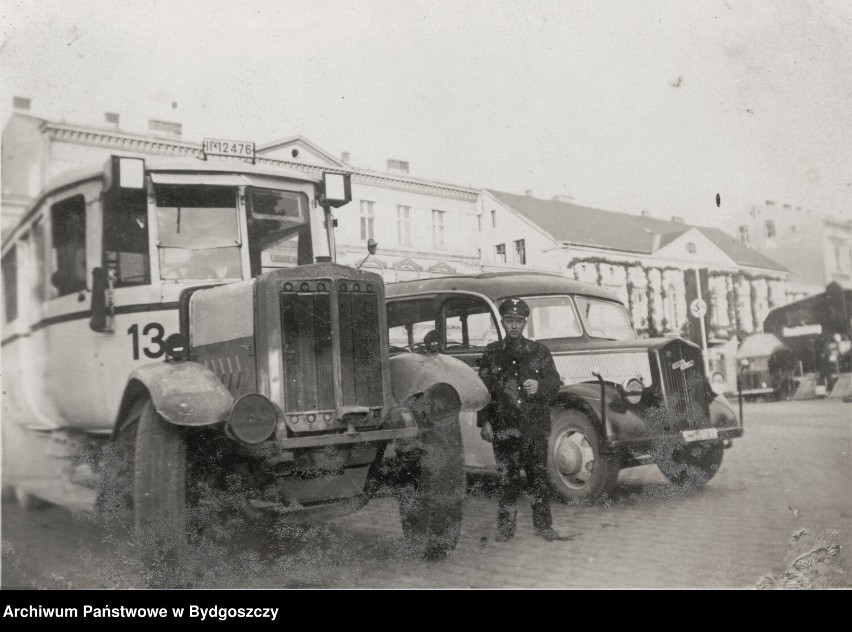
{"x": 71, "y": 353}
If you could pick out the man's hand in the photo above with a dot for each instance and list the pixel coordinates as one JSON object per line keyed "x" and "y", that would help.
{"x": 487, "y": 432}
{"x": 531, "y": 387}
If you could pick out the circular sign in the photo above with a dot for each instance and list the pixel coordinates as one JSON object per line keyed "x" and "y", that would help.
{"x": 698, "y": 308}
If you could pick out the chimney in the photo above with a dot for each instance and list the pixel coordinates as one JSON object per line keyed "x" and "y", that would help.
{"x": 562, "y": 198}
{"x": 786, "y": 206}
{"x": 770, "y": 202}
{"x": 21, "y": 104}
{"x": 345, "y": 156}
{"x": 645, "y": 213}
{"x": 111, "y": 119}
{"x": 528, "y": 193}
{"x": 165, "y": 129}
{"x": 677, "y": 219}
{"x": 398, "y": 166}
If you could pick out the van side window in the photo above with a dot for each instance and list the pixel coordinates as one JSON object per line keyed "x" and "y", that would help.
{"x": 126, "y": 237}
{"x": 409, "y": 321}
{"x": 468, "y": 324}
{"x": 68, "y": 221}
{"x": 10, "y": 286}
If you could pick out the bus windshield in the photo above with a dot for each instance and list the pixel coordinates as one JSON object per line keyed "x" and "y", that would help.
{"x": 198, "y": 232}
{"x": 605, "y": 319}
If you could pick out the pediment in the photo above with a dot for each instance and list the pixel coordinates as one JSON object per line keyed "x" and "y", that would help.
{"x": 442, "y": 267}
{"x": 408, "y": 264}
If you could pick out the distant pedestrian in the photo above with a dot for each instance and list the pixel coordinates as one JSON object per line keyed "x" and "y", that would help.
{"x": 522, "y": 380}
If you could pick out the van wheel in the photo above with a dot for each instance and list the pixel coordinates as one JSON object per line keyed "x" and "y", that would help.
{"x": 431, "y": 498}
{"x": 575, "y": 465}
{"x": 692, "y": 465}
{"x": 159, "y": 496}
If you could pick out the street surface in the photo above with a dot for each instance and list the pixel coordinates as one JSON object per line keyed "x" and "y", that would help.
{"x": 791, "y": 471}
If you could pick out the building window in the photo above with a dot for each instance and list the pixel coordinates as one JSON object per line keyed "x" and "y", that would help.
{"x": 367, "y": 220}
{"x": 500, "y": 253}
{"x": 493, "y": 219}
{"x": 744, "y": 234}
{"x": 10, "y": 286}
{"x": 690, "y": 247}
{"x": 403, "y": 225}
{"x": 438, "y": 229}
{"x": 520, "y": 252}
{"x": 479, "y": 222}
{"x": 770, "y": 228}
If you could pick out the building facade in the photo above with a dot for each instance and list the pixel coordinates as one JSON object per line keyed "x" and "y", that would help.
{"x": 657, "y": 267}
{"x": 815, "y": 248}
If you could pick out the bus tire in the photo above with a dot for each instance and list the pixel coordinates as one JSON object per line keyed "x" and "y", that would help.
{"x": 431, "y": 500}
{"x": 159, "y": 496}
{"x": 691, "y": 466}
{"x": 576, "y": 467}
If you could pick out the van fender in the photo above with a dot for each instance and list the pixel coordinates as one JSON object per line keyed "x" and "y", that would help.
{"x": 184, "y": 393}
{"x": 415, "y": 373}
{"x": 621, "y": 423}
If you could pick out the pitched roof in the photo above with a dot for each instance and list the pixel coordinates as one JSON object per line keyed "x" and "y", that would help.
{"x": 613, "y": 230}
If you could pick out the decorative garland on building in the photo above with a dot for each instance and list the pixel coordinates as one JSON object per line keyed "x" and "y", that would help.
{"x": 733, "y": 279}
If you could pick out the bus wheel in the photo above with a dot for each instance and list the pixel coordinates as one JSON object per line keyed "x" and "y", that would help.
{"x": 159, "y": 496}
{"x": 575, "y": 465}
{"x": 431, "y": 498}
{"x": 691, "y": 466}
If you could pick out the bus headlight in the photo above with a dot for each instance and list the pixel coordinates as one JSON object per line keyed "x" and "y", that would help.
{"x": 252, "y": 418}
{"x": 632, "y": 391}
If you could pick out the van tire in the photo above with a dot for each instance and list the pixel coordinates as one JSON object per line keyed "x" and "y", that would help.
{"x": 576, "y": 468}
{"x": 691, "y": 466}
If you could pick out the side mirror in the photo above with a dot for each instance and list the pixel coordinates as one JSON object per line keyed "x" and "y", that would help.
{"x": 98, "y": 322}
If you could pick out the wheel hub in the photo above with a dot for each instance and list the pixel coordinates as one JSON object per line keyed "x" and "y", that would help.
{"x": 575, "y": 457}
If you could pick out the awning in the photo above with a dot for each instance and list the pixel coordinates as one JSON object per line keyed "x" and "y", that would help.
{"x": 758, "y": 345}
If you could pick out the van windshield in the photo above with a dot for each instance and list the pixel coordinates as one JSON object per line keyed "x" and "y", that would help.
{"x": 198, "y": 232}
{"x": 605, "y": 319}
{"x": 552, "y": 317}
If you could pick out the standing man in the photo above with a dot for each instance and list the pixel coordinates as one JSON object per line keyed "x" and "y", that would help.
{"x": 522, "y": 380}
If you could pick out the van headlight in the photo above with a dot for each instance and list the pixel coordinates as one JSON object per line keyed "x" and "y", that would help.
{"x": 632, "y": 391}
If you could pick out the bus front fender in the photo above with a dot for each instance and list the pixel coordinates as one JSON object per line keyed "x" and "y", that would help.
{"x": 184, "y": 393}
{"x": 413, "y": 373}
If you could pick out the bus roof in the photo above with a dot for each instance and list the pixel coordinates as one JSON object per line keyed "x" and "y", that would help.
{"x": 499, "y": 285}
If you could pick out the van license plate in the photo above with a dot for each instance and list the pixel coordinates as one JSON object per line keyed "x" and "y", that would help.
{"x": 702, "y": 434}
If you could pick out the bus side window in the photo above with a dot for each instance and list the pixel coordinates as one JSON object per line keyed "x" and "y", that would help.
{"x": 68, "y": 223}
{"x": 10, "y": 285}
{"x": 126, "y": 237}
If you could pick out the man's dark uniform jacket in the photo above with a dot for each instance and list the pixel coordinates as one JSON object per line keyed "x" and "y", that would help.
{"x": 504, "y": 367}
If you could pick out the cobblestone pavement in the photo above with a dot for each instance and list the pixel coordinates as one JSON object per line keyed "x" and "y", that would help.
{"x": 790, "y": 471}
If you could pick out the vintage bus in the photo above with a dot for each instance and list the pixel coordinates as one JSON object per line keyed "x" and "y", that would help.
{"x": 818, "y": 332}
{"x": 624, "y": 401}
{"x": 171, "y": 324}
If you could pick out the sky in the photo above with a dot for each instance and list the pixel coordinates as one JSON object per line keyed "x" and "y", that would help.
{"x": 624, "y": 106}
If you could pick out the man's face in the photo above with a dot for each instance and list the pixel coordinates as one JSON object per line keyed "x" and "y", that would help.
{"x": 514, "y": 325}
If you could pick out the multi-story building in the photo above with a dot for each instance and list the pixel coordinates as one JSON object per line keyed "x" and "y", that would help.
{"x": 658, "y": 267}
{"x": 817, "y": 249}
